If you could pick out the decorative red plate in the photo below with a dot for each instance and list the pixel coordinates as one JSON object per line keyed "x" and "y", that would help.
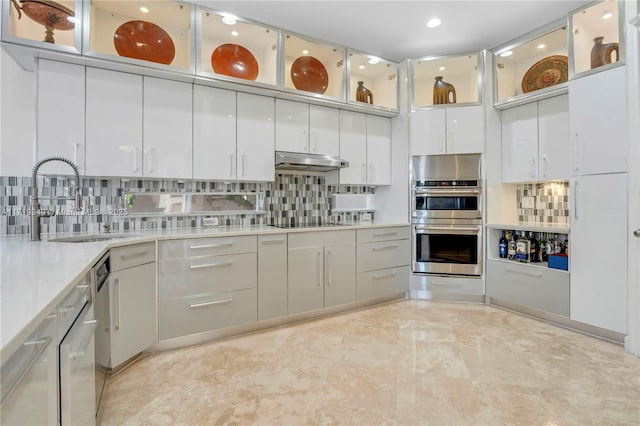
{"x": 308, "y": 73}
{"x": 235, "y": 61}
{"x": 46, "y": 12}
{"x": 546, "y": 72}
{"x": 144, "y": 40}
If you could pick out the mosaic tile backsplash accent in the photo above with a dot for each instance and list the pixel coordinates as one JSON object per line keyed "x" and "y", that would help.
{"x": 289, "y": 199}
{"x": 544, "y": 203}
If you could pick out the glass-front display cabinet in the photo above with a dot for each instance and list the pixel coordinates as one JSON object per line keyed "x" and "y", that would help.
{"x": 533, "y": 65}
{"x": 313, "y": 67}
{"x": 229, "y": 46}
{"x": 596, "y": 37}
{"x": 55, "y": 25}
{"x": 372, "y": 81}
{"x": 153, "y": 32}
{"x": 446, "y": 80}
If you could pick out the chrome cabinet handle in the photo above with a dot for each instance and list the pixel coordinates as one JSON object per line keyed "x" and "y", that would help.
{"x": 370, "y": 177}
{"x": 134, "y": 254}
{"x": 211, "y": 265}
{"x": 150, "y": 160}
{"x": 318, "y": 269}
{"x": 384, "y": 234}
{"x": 93, "y": 324}
{"x": 529, "y": 274}
{"x": 75, "y": 152}
{"x": 575, "y": 152}
{"x": 575, "y": 199}
{"x": 315, "y": 141}
{"x": 213, "y": 302}
{"x": 381, "y": 277}
{"x": 450, "y": 141}
{"x": 44, "y": 344}
{"x": 272, "y": 241}
{"x": 135, "y": 158}
{"x": 363, "y": 172}
{"x": 533, "y": 168}
{"x": 116, "y": 301}
{"x": 242, "y": 174}
{"x": 447, "y": 284}
{"x": 636, "y": 233}
{"x": 81, "y": 287}
{"x": 211, "y": 246}
{"x": 546, "y": 166}
{"x": 389, "y": 247}
{"x": 305, "y": 141}
{"x": 329, "y": 267}
{"x": 231, "y": 164}
{"x": 441, "y": 137}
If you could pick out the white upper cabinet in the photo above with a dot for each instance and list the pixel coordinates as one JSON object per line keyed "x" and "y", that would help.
{"x": 455, "y": 130}
{"x": 214, "y": 133}
{"x": 378, "y": 150}
{"x": 114, "y": 123}
{"x": 597, "y": 111}
{"x": 255, "y": 138}
{"x": 535, "y": 141}
{"x": 307, "y": 128}
{"x": 324, "y": 130}
{"x": 167, "y": 128}
{"x": 60, "y": 115}
{"x": 353, "y": 147}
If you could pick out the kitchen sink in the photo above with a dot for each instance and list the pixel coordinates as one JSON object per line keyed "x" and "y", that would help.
{"x": 89, "y": 238}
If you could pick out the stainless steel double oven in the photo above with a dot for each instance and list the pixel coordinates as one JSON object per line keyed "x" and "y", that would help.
{"x": 446, "y": 193}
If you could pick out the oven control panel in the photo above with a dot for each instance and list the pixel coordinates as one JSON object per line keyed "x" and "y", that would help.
{"x": 445, "y": 183}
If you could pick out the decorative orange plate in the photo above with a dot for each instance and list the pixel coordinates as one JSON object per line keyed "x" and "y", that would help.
{"x": 46, "y": 12}
{"x": 546, "y": 72}
{"x": 144, "y": 40}
{"x": 235, "y": 61}
{"x": 308, "y": 73}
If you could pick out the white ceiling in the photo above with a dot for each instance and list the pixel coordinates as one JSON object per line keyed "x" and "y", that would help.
{"x": 397, "y": 30}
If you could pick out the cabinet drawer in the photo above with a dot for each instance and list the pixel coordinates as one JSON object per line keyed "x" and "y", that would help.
{"x": 197, "y": 314}
{"x": 383, "y": 234}
{"x": 384, "y": 282}
{"x": 126, "y": 257}
{"x": 454, "y": 285}
{"x": 531, "y": 286}
{"x": 320, "y": 238}
{"x": 210, "y": 274}
{"x": 70, "y": 306}
{"x": 206, "y": 246}
{"x": 384, "y": 254}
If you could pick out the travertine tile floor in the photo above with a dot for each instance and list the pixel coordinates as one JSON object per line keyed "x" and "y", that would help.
{"x": 405, "y": 363}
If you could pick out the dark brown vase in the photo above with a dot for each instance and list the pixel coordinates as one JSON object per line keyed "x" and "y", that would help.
{"x": 363, "y": 94}
{"x": 443, "y": 92}
{"x": 601, "y": 53}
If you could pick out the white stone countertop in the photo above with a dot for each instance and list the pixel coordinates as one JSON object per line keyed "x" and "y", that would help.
{"x": 559, "y": 228}
{"x": 36, "y": 276}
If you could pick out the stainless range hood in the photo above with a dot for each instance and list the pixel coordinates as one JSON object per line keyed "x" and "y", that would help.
{"x": 308, "y": 162}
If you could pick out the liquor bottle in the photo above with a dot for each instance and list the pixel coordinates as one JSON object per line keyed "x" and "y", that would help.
{"x": 511, "y": 246}
{"x": 534, "y": 250}
{"x": 503, "y": 246}
{"x": 544, "y": 238}
{"x": 550, "y": 246}
{"x": 523, "y": 248}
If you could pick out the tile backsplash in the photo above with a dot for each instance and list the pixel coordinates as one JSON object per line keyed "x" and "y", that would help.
{"x": 543, "y": 203}
{"x": 290, "y": 198}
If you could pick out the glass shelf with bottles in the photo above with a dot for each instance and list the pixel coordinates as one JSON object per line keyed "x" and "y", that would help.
{"x": 446, "y": 80}
{"x": 156, "y": 33}
{"x": 596, "y": 37}
{"x": 48, "y": 24}
{"x": 531, "y": 66}
{"x": 372, "y": 81}
{"x": 237, "y": 49}
{"x": 314, "y": 68}
{"x": 535, "y": 248}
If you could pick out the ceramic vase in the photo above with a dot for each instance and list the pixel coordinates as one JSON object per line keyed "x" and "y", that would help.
{"x": 443, "y": 92}
{"x": 601, "y": 53}
{"x": 363, "y": 94}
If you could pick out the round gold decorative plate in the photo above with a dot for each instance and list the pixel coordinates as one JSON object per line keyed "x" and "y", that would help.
{"x": 546, "y": 72}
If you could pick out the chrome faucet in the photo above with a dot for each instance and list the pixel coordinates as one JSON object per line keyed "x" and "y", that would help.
{"x": 36, "y": 214}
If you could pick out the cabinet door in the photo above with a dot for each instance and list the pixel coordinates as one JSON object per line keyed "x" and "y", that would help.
{"x": 255, "y": 138}
{"x": 520, "y": 143}
{"x": 465, "y": 130}
{"x": 378, "y": 150}
{"x": 114, "y": 123}
{"x": 60, "y": 115}
{"x": 597, "y": 111}
{"x": 553, "y": 138}
{"x": 427, "y": 132}
{"x": 272, "y": 276}
{"x": 598, "y": 259}
{"x": 214, "y": 133}
{"x": 353, "y": 147}
{"x": 133, "y": 311}
{"x": 292, "y": 126}
{"x": 167, "y": 128}
{"x": 306, "y": 278}
{"x": 340, "y": 275}
{"x": 324, "y": 130}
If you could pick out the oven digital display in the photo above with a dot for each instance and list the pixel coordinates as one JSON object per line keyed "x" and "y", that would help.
{"x": 446, "y": 203}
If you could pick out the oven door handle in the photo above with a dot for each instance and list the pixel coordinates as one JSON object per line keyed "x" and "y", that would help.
{"x": 456, "y": 192}
{"x": 447, "y": 230}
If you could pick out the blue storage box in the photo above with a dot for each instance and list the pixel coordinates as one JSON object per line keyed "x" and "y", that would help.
{"x": 559, "y": 261}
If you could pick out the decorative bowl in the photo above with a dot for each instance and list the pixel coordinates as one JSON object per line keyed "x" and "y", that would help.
{"x": 546, "y": 72}
{"x": 235, "y": 61}
{"x": 144, "y": 40}
{"x": 308, "y": 73}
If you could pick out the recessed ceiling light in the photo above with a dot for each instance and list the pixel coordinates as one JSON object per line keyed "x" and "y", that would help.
{"x": 144, "y": 9}
{"x": 234, "y": 33}
{"x": 373, "y": 60}
{"x": 433, "y": 22}
{"x": 229, "y": 19}
{"x": 542, "y": 46}
{"x": 305, "y": 51}
{"x": 442, "y": 68}
{"x": 606, "y": 15}
{"x": 361, "y": 67}
{"x": 507, "y": 53}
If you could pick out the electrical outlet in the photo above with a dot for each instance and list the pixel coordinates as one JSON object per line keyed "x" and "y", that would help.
{"x": 210, "y": 221}
{"x": 527, "y": 202}
{"x": 366, "y": 217}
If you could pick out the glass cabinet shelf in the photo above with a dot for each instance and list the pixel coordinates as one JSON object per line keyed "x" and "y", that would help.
{"x": 157, "y": 32}
{"x": 446, "y": 80}
{"x": 596, "y": 37}
{"x": 536, "y": 64}
{"x": 372, "y": 81}
{"x": 232, "y": 47}
{"x": 55, "y": 25}
{"x": 314, "y": 67}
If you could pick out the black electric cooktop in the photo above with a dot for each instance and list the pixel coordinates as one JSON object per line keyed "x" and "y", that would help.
{"x": 308, "y": 225}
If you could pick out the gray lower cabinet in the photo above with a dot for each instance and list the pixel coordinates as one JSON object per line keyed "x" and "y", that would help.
{"x": 133, "y": 301}
{"x": 531, "y": 286}
{"x": 272, "y": 276}
{"x": 321, "y": 270}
